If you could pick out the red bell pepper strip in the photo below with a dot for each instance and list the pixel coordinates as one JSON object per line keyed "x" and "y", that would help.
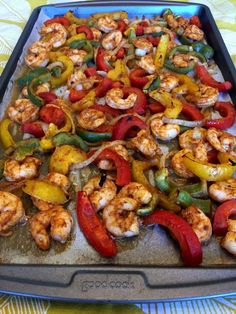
{"x": 60, "y": 19}
{"x": 154, "y": 40}
{"x": 141, "y": 101}
{"x": 51, "y": 114}
{"x": 190, "y": 246}
{"x": 92, "y": 227}
{"x": 122, "y": 26}
{"x": 123, "y": 174}
{"x": 206, "y": 79}
{"x": 117, "y": 85}
{"x": 91, "y": 72}
{"x": 100, "y": 61}
{"x": 156, "y": 107}
{"x": 33, "y": 128}
{"x": 76, "y": 95}
{"x": 122, "y": 126}
{"x": 138, "y": 78}
{"x": 106, "y": 109}
{"x": 48, "y": 97}
{"x": 85, "y": 29}
{"x": 106, "y": 128}
{"x": 139, "y": 30}
{"x": 104, "y": 86}
{"x": 227, "y": 111}
{"x": 194, "y": 20}
{"x": 121, "y": 53}
{"x": 192, "y": 112}
{"x": 220, "y": 220}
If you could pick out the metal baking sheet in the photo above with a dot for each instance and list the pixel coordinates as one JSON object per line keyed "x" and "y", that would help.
{"x": 146, "y": 268}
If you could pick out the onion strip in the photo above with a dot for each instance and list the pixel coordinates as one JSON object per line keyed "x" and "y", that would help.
{"x": 187, "y": 123}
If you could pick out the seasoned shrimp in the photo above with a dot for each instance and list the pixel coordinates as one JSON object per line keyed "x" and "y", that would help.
{"x": 229, "y": 242}
{"x": 200, "y": 223}
{"x": 11, "y": 212}
{"x": 90, "y": 119}
{"x": 100, "y": 191}
{"x": 147, "y": 64}
{"x": 178, "y": 165}
{"x": 206, "y": 97}
{"x": 119, "y": 217}
{"x": 38, "y": 54}
{"x": 164, "y": 132}
{"x": 223, "y": 191}
{"x": 143, "y": 46}
{"x": 15, "y": 170}
{"x": 183, "y": 60}
{"x": 175, "y": 23}
{"x": 45, "y": 87}
{"x": 58, "y": 34}
{"x": 136, "y": 191}
{"x": 168, "y": 81}
{"x": 114, "y": 99}
{"x": 112, "y": 40}
{"x": 152, "y": 29}
{"x": 22, "y": 111}
{"x": 79, "y": 81}
{"x": 106, "y": 164}
{"x": 191, "y": 138}
{"x": 61, "y": 223}
{"x": 96, "y": 33}
{"x": 76, "y": 56}
{"x": 222, "y": 141}
{"x": 200, "y": 152}
{"x": 193, "y": 32}
{"x": 106, "y": 24}
{"x": 145, "y": 143}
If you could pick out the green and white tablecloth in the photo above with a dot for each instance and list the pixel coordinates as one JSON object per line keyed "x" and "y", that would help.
{"x": 13, "y": 16}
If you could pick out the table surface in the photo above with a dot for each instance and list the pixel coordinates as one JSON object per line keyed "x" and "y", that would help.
{"x": 13, "y": 16}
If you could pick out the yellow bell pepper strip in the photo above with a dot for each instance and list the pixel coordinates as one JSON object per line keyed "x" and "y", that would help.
{"x": 85, "y": 102}
{"x": 69, "y": 68}
{"x": 226, "y": 158}
{"x": 208, "y": 171}
{"x": 73, "y": 19}
{"x": 161, "y": 51}
{"x": 173, "y": 105}
{"x": 45, "y": 191}
{"x": 46, "y": 144}
{"x": 5, "y": 136}
{"x": 187, "y": 85}
{"x": 63, "y": 157}
{"x": 118, "y": 15}
{"x": 54, "y": 55}
{"x": 75, "y": 37}
{"x": 119, "y": 73}
{"x": 130, "y": 30}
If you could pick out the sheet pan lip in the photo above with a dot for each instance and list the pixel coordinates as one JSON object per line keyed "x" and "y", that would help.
{"x": 10, "y": 67}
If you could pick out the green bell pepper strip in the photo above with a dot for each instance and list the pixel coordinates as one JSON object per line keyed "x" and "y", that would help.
{"x": 30, "y": 75}
{"x": 181, "y": 49}
{"x": 23, "y": 148}
{"x": 185, "y": 40}
{"x": 184, "y": 199}
{"x": 93, "y": 137}
{"x": 198, "y": 46}
{"x": 132, "y": 35}
{"x": 44, "y": 78}
{"x": 161, "y": 180}
{"x": 143, "y": 211}
{"x": 90, "y": 51}
{"x": 56, "y": 71}
{"x": 171, "y": 67}
{"x": 154, "y": 85}
{"x": 69, "y": 139}
{"x": 77, "y": 44}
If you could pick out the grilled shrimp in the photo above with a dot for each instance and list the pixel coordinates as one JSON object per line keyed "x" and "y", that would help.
{"x": 114, "y": 99}
{"x": 183, "y": 60}
{"x": 106, "y": 164}
{"x": 136, "y": 191}
{"x": 206, "y": 97}
{"x": 190, "y": 138}
{"x": 11, "y": 212}
{"x": 145, "y": 143}
{"x": 143, "y": 46}
{"x": 45, "y": 87}
{"x": 112, "y": 40}
{"x": 119, "y": 217}
{"x": 178, "y": 165}
{"x": 79, "y": 81}
{"x": 22, "y": 111}
{"x": 75, "y": 55}
{"x": 229, "y": 242}
{"x": 176, "y": 22}
{"x": 164, "y": 132}
{"x": 15, "y": 170}
{"x": 222, "y": 141}
{"x": 106, "y": 24}
{"x": 152, "y": 29}
{"x": 61, "y": 223}
{"x": 96, "y": 33}
{"x": 100, "y": 191}
{"x": 37, "y": 54}
{"x": 200, "y": 223}
{"x": 223, "y": 191}
{"x": 147, "y": 64}
{"x": 90, "y": 119}
{"x": 168, "y": 81}
{"x": 193, "y": 32}
{"x": 200, "y": 152}
{"x": 58, "y": 34}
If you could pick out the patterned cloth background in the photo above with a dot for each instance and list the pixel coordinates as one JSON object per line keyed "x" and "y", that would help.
{"x": 13, "y": 16}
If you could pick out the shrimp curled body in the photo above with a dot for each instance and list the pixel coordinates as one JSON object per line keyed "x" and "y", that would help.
{"x": 114, "y": 99}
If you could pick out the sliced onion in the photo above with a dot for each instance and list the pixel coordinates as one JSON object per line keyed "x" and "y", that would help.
{"x": 190, "y": 124}
{"x": 102, "y": 73}
{"x": 87, "y": 162}
{"x": 55, "y": 64}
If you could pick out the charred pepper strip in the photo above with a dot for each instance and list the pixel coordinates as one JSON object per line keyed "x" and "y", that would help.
{"x": 124, "y": 124}
{"x": 100, "y": 61}
{"x": 44, "y": 78}
{"x": 138, "y": 78}
{"x": 223, "y": 212}
{"x": 93, "y": 137}
{"x": 60, "y": 19}
{"x": 86, "y": 30}
{"x": 227, "y": 110}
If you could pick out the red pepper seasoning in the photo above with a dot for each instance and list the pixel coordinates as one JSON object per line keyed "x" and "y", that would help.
{"x": 190, "y": 246}
{"x": 227, "y": 111}
{"x": 85, "y": 29}
{"x": 121, "y": 128}
{"x": 222, "y": 214}
{"x": 92, "y": 227}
